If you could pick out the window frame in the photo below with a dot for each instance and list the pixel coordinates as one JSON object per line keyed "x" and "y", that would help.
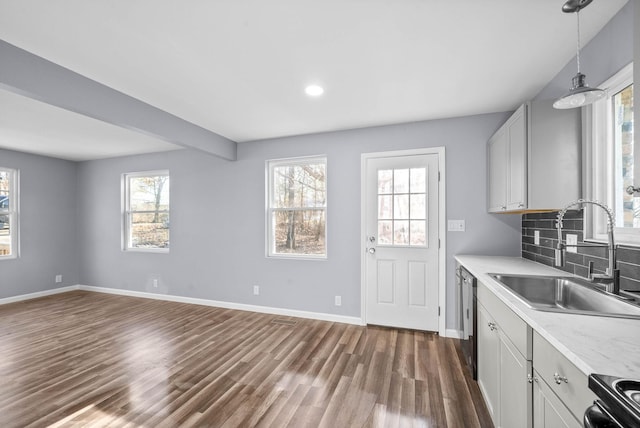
{"x": 13, "y": 213}
{"x": 599, "y": 171}
{"x": 270, "y": 250}
{"x": 126, "y": 211}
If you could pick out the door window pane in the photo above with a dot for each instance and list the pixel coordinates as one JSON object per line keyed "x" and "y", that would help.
{"x": 385, "y": 229}
{"x": 400, "y": 181}
{"x": 401, "y": 207}
{"x": 385, "y": 181}
{"x": 385, "y": 206}
{"x": 418, "y": 180}
{"x": 418, "y": 207}
{"x": 418, "y": 233}
{"x": 401, "y": 232}
{"x": 402, "y": 210}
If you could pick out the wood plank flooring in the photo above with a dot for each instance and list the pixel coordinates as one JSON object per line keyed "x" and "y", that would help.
{"x": 90, "y": 359}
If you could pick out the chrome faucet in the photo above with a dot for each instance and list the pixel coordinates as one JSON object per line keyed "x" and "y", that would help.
{"x": 612, "y": 278}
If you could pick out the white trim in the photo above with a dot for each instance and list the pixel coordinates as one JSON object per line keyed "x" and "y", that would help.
{"x": 599, "y": 156}
{"x": 190, "y": 300}
{"x": 226, "y": 305}
{"x": 270, "y": 164}
{"x": 452, "y": 333}
{"x": 38, "y": 294}
{"x": 126, "y": 211}
{"x": 442, "y": 231}
{"x": 13, "y": 213}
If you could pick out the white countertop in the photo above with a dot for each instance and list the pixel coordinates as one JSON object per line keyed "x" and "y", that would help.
{"x": 595, "y": 344}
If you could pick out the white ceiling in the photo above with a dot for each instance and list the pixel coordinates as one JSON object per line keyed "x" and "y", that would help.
{"x": 32, "y": 126}
{"x": 239, "y": 67}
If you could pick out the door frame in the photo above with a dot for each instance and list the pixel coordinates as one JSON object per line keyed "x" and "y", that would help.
{"x": 442, "y": 233}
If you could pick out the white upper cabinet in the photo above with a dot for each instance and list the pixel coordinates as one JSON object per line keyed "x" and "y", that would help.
{"x": 534, "y": 160}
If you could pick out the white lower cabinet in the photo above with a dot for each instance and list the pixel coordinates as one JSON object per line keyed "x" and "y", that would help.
{"x": 548, "y": 410}
{"x": 488, "y": 363}
{"x": 503, "y": 374}
{"x": 515, "y": 389}
{"x": 561, "y": 380}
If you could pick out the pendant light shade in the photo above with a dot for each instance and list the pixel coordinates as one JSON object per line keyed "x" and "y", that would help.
{"x": 580, "y": 93}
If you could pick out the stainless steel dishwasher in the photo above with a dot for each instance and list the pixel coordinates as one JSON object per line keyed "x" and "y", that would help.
{"x": 467, "y": 323}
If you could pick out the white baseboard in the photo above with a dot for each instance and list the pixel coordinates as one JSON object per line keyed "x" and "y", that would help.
{"x": 452, "y": 333}
{"x": 35, "y": 295}
{"x": 227, "y": 305}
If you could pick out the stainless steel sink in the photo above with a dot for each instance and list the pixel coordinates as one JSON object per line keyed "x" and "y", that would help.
{"x": 566, "y": 294}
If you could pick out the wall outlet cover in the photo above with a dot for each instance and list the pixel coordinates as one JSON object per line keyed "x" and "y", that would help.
{"x": 256, "y": 290}
{"x": 455, "y": 225}
{"x": 536, "y": 237}
{"x": 338, "y": 301}
{"x": 58, "y": 279}
{"x": 572, "y": 239}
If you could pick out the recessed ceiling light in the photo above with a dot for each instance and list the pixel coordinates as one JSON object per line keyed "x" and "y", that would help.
{"x": 314, "y": 90}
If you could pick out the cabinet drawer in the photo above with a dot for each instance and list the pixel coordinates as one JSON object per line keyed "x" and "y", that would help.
{"x": 512, "y": 325}
{"x": 564, "y": 379}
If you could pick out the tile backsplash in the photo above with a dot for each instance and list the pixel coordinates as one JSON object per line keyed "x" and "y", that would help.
{"x": 576, "y": 263}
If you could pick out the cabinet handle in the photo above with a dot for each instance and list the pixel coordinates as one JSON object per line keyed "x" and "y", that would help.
{"x": 492, "y": 326}
{"x": 503, "y": 208}
{"x": 559, "y": 379}
{"x": 520, "y": 205}
{"x": 532, "y": 379}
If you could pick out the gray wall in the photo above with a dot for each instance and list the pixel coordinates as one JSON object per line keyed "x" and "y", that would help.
{"x": 604, "y": 55}
{"x": 218, "y": 218}
{"x": 48, "y": 238}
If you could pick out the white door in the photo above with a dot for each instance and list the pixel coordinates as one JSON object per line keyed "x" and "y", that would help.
{"x": 401, "y": 223}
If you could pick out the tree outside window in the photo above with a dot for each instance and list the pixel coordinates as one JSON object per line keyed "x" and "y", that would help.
{"x": 297, "y": 207}
{"x": 147, "y": 211}
{"x": 8, "y": 213}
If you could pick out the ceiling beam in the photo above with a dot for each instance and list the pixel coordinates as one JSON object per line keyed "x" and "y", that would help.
{"x": 30, "y": 75}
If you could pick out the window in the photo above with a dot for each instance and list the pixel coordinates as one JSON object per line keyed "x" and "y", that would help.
{"x": 402, "y": 207}
{"x": 146, "y": 211}
{"x": 297, "y": 207}
{"x": 610, "y": 160}
{"x": 8, "y": 213}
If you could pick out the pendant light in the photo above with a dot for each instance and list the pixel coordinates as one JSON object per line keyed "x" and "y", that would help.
{"x": 580, "y": 93}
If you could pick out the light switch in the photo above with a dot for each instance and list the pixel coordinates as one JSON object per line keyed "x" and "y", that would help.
{"x": 571, "y": 241}
{"x": 455, "y": 225}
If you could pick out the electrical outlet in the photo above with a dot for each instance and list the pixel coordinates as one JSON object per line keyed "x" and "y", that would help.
{"x": 155, "y": 282}
{"x": 536, "y": 237}
{"x": 58, "y": 279}
{"x": 572, "y": 240}
{"x": 256, "y": 290}
{"x": 338, "y": 301}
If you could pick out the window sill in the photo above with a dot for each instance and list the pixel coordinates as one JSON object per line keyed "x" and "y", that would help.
{"x": 147, "y": 250}
{"x": 296, "y": 257}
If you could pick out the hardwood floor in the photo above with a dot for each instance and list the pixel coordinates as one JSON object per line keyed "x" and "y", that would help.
{"x": 90, "y": 359}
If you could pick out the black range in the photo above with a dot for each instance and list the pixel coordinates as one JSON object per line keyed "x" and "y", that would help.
{"x": 618, "y": 405}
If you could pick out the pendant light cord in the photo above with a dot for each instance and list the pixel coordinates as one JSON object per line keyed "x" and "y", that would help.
{"x": 578, "y": 50}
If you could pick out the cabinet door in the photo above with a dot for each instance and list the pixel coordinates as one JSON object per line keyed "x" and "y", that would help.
{"x": 515, "y": 390}
{"x": 488, "y": 363}
{"x": 549, "y": 412}
{"x": 517, "y": 156}
{"x": 497, "y": 171}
